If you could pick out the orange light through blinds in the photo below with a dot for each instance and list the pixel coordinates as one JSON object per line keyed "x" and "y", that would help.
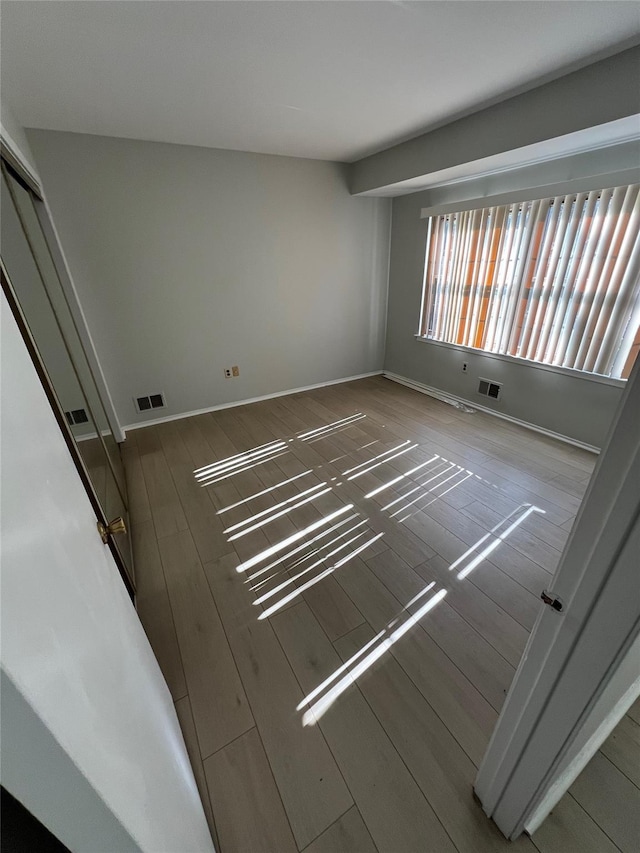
{"x": 555, "y": 280}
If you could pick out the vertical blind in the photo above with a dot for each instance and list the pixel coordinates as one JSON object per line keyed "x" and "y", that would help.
{"x": 555, "y": 280}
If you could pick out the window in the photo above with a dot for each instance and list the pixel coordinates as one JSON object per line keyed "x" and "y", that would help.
{"x": 555, "y": 280}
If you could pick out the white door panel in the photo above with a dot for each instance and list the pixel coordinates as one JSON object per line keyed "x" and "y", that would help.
{"x": 580, "y": 670}
{"x": 73, "y": 647}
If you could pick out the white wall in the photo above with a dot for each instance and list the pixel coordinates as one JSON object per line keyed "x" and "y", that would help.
{"x": 91, "y": 741}
{"x": 189, "y": 260}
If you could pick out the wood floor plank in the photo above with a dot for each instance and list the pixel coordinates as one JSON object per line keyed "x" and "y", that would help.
{"x": 154, "y": 609}
{"x": 210, "y": 432}
{"x": 612, "y": 800}
{"x": 185, "y": 718}
{"x": 569, "y": 829}
{"x": 391, "y": 804}
{"x": 146, "y": 440}
{"x": 402, "y": 425}
{"x": 485, "y": 668}
{"x": 467, "y": 714}
{"x": 493, "y": 623}
{"x": 409, "y": 546}
{"x": 634, "y": 712}
{"x": 521, "y": 568}
{"x": 521, "y": 538}
{"x": 218, "y": 701}
{"x": 347, "y": 835}
{"x": 466, "y": 549}
{"x": 622, "y": 748}
{"x": 527, "y": 492}
{"x": 441, "y": 768}
{"x": 173, "y": 447}
{"x": 428, "y": 482}
{"x": 556, "y": 498}
{"x": 166, "y": 509}
{"x": 312, "y": 789}
{"x": 136, "y": 489}
{"x": 570, "y": 485}
{"x": 98, "y": 477}
{"x": 204, "y": 524}
{"x": 536, "y": 524}
{"x": 333, "y": 608}
{"x": 246, "y": 803}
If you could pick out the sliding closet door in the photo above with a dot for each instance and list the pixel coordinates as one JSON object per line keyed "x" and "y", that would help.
{"x": 42, "y": 302}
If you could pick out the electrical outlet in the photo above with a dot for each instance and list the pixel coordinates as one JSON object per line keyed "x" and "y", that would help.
{"x": 464, "y": 366}
{"x": 235, "y": 370}
{"x": 227, "y": 372}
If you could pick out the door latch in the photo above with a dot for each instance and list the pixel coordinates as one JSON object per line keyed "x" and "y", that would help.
{"x": 115, "y": 526}
{"x": 551, "y": 600}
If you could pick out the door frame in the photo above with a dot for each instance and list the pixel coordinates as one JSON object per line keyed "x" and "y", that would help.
{"x": 32, "y": 349}
{"x": 560, "y": 706}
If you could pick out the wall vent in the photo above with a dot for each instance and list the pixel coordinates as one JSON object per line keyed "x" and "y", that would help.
{"x": 151, "y": 401}
{"x": 77, "y": 416}
{"x": 489, "y": 389}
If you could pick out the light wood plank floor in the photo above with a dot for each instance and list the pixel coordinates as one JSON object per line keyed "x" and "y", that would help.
{"x": 338, "y": 586}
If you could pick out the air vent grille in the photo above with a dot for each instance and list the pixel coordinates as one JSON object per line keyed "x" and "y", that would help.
{"x": 489, "y": 389}
{"x": 77, "y": 416}
{"x": 150, "y": 401}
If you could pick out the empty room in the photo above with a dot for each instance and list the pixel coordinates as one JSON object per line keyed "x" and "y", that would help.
{"x": 320, "y": 426}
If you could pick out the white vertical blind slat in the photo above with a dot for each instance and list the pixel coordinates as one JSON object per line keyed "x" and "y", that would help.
{"x": 566, "y": 249}
{"x": 447, "y": 228}
{"x": 539, "y": 214}
{"x": 554, "y": 280}
{"x": 521, "y": 213}
{"x": 466, "y": 247}
{"x": 545, "y": 276}
{"x": 579, "y": 292}
{"x": 492, "y": 296}
{"x": 500, "y": 278}
{"x": 537, "y": 305}
{"x": 568, "y": 283}
{"x": 478, "y": 228}
{"x": 476, "y": 281}
{"x": 427, "y": 292}
{"x": 459, "y": 222}
{"x": 628, "y": 269}
{"x": 516, "y": 284}
{"x": 594, "y": 286}
{"x": 617, "y": 262}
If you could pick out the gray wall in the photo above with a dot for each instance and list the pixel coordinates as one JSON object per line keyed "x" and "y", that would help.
{"x": 575, "y": 406}
{"x": 14, "y": 137}
{"x": 189, "y": 260}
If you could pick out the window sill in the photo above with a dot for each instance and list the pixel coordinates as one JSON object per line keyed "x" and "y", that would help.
{"x": 525, "y": 362}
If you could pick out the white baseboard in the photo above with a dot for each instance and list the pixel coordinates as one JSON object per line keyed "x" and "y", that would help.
{"x": 452, "y": 398}
{"x": 88, "y": 436}
{"x": 246, "y": 402}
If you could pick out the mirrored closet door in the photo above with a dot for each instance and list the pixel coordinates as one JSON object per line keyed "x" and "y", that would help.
{"x": 37, "y": 289}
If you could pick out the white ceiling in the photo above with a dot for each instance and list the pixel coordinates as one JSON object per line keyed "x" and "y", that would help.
{"x": 328, "y": 80}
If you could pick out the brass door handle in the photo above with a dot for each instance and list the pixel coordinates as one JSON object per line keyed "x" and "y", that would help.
{"x": 115, "y": 526}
